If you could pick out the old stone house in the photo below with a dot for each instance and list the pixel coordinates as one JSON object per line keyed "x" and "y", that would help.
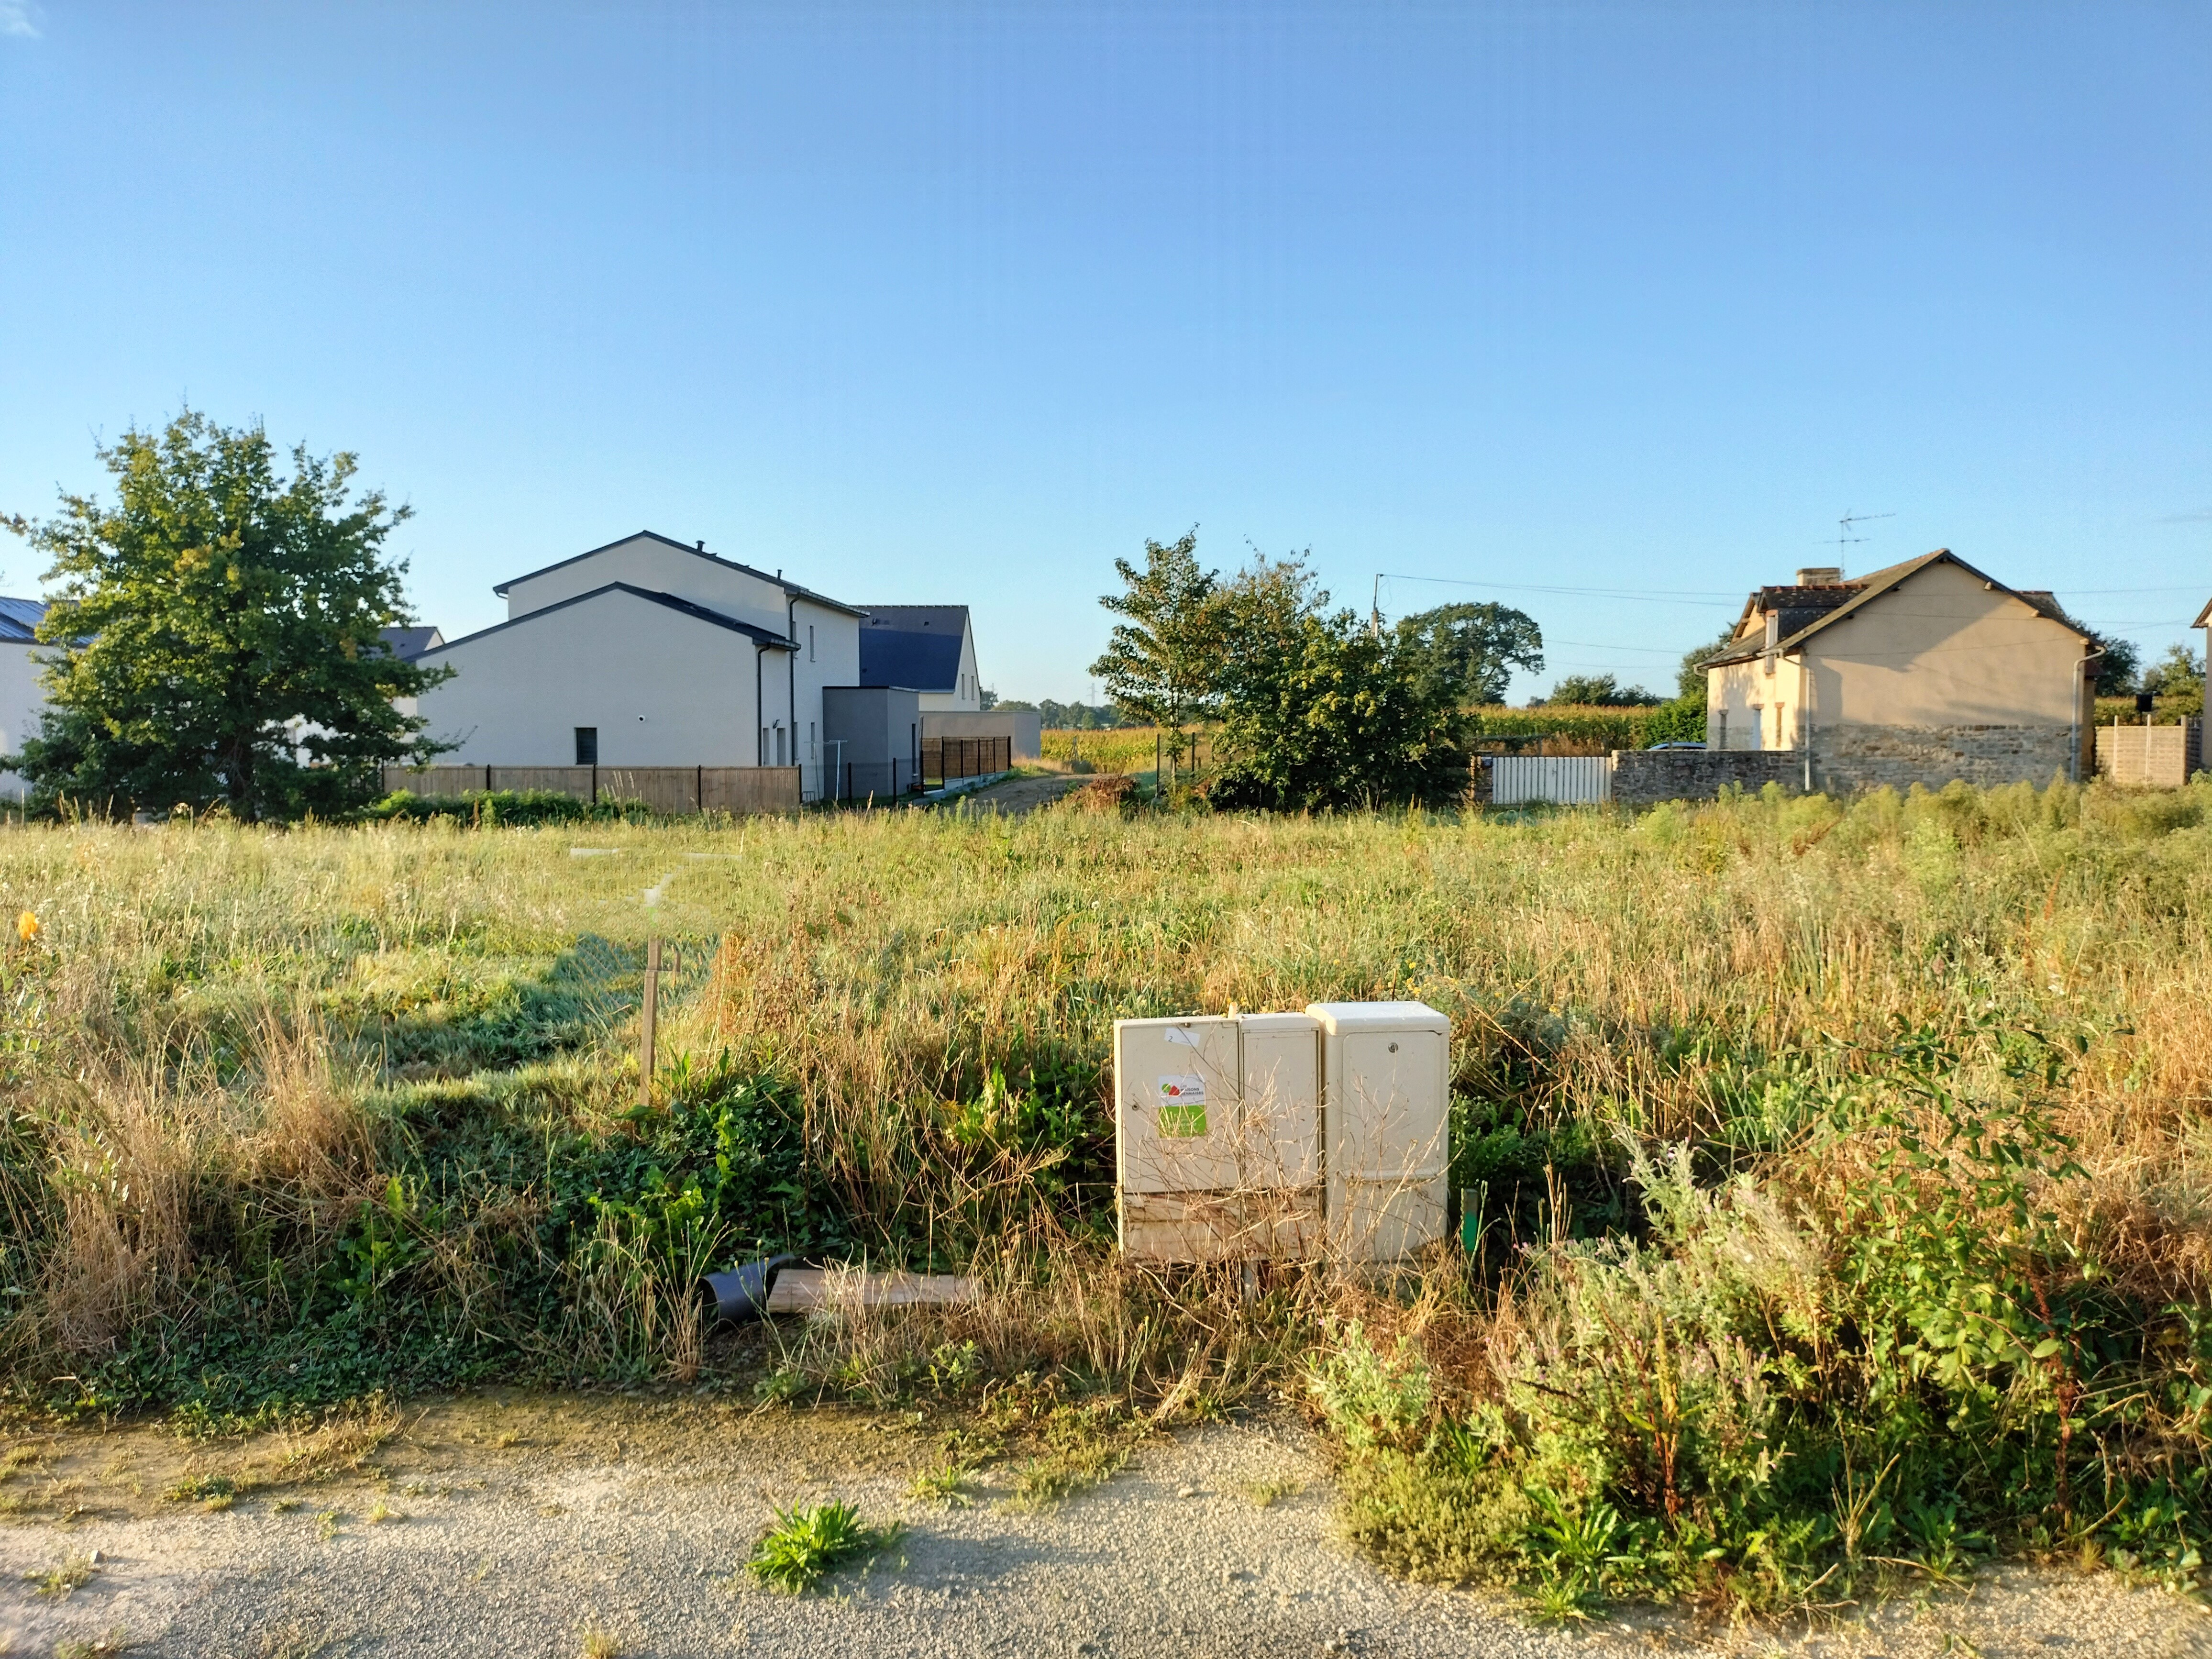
{"x": 1920, "y": 673}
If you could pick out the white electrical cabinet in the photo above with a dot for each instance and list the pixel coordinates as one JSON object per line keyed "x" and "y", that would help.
{"x": 1217, "y": 1136}
{"x": 1385, "y": 1102}
{"x": 1245, "y": 1135}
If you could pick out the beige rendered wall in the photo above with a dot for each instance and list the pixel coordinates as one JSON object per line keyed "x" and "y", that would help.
{"x": 1943, "y": 649}
{"x": 659, "y": 568}
{"x": 1762, "y": 709}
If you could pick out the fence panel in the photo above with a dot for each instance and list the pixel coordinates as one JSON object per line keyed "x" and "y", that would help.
{"x": 664, "y": 788}
{"x": 2150, "y": 757}
{"x": 749, "y": 788}
{"x": 1564, "y": 779}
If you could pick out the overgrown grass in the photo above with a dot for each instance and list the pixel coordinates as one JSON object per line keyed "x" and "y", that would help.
{"x": 294, "y": 1115}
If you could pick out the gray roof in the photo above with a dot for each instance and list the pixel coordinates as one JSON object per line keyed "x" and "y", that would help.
{"x": 20, "y": 618}
{"x": 409, "y": 643}
{"x": 1805, "y": 611}
{"x": 697, "y": 551}
{"x": 759, "y": 637}
{"x": 912, "y": 645}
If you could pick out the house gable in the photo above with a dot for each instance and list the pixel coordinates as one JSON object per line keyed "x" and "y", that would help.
{"x": 656, "y": 563}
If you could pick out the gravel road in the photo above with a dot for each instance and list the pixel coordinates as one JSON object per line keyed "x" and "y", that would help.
{"x": 511, "y": 1526}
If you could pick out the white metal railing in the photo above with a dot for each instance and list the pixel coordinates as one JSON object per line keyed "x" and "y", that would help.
{"x": 1565, "y": 780}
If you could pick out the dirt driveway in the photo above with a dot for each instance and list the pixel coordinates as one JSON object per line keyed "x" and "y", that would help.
{"x": 1019, "y": 795}
{"x": 515, "y": 1524}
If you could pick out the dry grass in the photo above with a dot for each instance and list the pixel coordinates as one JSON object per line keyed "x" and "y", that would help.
{"x": 205, "y": 1035}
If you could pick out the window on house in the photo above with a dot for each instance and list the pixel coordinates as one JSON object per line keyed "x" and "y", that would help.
{"x": 812, "y": 752}
{"x": 588, "y": 745}
{"x": 1758, "y": 733}
{"x": 1720, "y": 730}
{"x": 779, "y": 745}
{"x": 809, "y": 641}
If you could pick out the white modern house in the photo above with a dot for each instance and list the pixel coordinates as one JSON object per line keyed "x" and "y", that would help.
{"x": 21, "y": 697}
{"x": 646, "y": 651}
{"x": 930, "y": 649}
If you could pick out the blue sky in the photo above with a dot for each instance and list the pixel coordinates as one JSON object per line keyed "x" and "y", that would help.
{"x": 958, "y": 302}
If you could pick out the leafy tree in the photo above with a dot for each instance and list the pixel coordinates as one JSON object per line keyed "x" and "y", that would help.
{"x": 1469, "y": 652}
{"x": 1690, "y": 678}
{"x": 1318, "y": 712}
{"x": 2179, "y": 673}
{"x": 2115, "y": 670}
{"x": 1601, "y": 691}
{"x": 1159, "y": 664}
{"x": 214, "y": 604}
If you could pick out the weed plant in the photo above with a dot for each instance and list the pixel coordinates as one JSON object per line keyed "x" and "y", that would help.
{"x": 1843, "y": 1173}
{"x": 805, "y": 1543}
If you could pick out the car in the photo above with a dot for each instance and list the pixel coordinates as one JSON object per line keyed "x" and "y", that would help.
{"x": 1678, "y": 745}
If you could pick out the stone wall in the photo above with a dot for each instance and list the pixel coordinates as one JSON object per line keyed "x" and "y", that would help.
{"x": 1847, "y": 758}
{"x": 1644, "y": 777}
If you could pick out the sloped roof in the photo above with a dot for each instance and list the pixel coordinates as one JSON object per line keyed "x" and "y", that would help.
{"x": 409, "y": 643}
{"x": 2204, "y": 617}
{"x": 1859, "y": 592}
{"x": 696, "y": 552}
{"x": 915, "y": 646}
{"x": 20, "y": 618}
{"x": 759, "y": 637}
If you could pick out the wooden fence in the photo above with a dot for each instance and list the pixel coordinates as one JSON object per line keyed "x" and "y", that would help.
{"x": 2154, "y": 756}
{"x": 735, "y": 789}
{"x": 947, "y": 759}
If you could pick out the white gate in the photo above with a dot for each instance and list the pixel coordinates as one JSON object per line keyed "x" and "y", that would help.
{"x": 1567, "y": 780}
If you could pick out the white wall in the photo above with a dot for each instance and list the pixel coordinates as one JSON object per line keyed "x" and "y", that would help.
{"x": 645, "y": 562}
{"x": 21, "y": 697}
{"x": 521, "y": 690}
{"x": 965, "y": 697}
{"x": 829, "y": 654}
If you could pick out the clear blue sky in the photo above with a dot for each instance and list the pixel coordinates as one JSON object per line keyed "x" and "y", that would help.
{"x": 956, "y": 302}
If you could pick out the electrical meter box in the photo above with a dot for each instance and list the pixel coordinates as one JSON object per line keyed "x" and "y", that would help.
{"x": 1217, "y": 1136}
{"x": 1385, "y": 1102}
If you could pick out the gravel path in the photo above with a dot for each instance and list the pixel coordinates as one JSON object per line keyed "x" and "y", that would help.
{"x": 517, "y": 1525}
{"x": 1019, "y": 796}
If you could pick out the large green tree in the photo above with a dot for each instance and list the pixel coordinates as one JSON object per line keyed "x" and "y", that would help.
{"x": 1469, "y": 652}
{"x": 1317, "y": 710}
{"x": 1161, "y": 662}
{"x": 215, "y": 621}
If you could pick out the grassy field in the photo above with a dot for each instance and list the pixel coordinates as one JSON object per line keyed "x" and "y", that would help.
{"x": 1847, "y": 1176}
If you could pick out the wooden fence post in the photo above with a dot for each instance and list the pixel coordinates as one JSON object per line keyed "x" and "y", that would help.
{"x": 648, "y": 1020}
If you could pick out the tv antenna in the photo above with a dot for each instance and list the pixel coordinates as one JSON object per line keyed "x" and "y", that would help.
{"x": 1375, "y": 608}
{"x": 1844, "y": 536}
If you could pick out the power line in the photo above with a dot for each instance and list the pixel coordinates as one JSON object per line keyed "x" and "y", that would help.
{"x": 1707, "y": 596}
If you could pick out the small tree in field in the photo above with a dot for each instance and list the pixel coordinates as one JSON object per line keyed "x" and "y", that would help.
{"x": 1161, "y": 664}
{"x": 212, "y": 606}
{"x": 1316, "y": 711}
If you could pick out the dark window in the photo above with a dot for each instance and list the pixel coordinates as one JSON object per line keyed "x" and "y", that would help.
{"x": 588, "y": 745}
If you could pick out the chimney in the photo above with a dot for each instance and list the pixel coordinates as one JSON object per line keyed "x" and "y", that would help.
{"x": 1822, "y": 576}
{"x": 702, "y": 546}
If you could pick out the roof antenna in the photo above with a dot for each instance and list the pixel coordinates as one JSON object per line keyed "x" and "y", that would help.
{"x": 1375, "y": 609}
{"x": 1844, "y": 536}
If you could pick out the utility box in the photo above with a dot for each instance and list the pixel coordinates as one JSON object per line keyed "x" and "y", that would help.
{"x": 1385, "y": 1103}
{"x": 1217, "y": 1136}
